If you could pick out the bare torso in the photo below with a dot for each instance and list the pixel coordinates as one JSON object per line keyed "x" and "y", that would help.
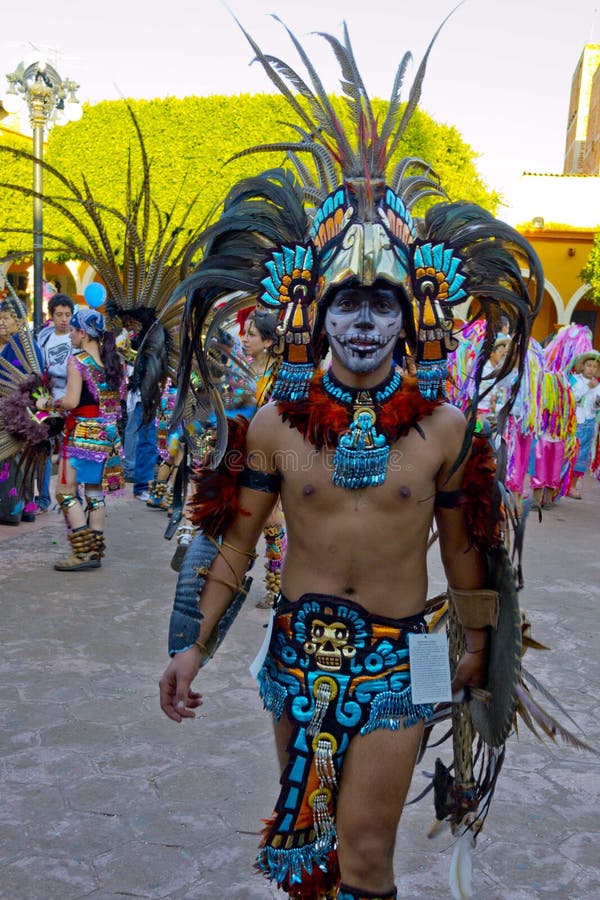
{"x": 364, "y": 545}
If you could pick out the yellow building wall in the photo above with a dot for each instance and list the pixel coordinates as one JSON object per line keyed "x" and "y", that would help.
{"x": 563, "y": 253}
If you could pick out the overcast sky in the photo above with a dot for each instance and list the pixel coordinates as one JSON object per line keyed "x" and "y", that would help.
{"x": 500, "y": 70}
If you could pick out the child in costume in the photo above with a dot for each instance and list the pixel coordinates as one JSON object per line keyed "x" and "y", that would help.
{"x": 586, "y": 391}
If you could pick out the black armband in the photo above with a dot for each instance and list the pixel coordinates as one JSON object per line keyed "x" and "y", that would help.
{"x": 260, "y": 481}
{"x": 447, "y": 499}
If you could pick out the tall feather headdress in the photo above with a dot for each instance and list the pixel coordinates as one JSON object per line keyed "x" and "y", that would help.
{"x": 348, "y": 209}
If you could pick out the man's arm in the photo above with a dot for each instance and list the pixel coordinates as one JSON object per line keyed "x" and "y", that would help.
{"x": 225, "y": 574}
{"x": 464, "y": 565}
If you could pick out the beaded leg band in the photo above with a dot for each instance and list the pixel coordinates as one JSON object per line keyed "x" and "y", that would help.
{"x": 276, "y": 543}
{"x": 94, "y": 502}
{"x": 87, "y": 550}
{"x": 161, "y": 495}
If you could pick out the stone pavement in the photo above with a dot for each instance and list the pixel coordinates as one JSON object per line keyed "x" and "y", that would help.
{"x": 103, "y": 797}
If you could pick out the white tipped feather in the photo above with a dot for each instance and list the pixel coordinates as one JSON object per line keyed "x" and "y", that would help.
{"x": 461, "y": 867}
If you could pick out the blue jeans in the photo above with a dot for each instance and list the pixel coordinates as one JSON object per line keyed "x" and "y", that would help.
{"x": 44, "y": 499}
{"x": 140, "y": 449}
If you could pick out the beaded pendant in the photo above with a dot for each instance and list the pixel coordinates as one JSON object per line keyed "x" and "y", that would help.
{"x": 362, "y": 453}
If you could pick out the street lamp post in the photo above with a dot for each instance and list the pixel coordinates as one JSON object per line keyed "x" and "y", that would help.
{"x": 50, "y": 99}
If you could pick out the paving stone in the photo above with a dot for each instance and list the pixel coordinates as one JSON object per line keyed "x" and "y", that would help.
{"x": 42, "y": 877}
{"x": 145, "y": 869}
{"x": 103, "y": 797}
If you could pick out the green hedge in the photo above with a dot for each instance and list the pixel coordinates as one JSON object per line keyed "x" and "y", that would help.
{"x": 189, "y": 142}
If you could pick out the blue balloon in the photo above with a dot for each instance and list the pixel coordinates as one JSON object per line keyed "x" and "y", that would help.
{"x": 95, "y": 294}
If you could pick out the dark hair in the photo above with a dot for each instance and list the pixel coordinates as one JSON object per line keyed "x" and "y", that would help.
{"x": 264, "y": 322}
{"x": 60, "y": 300}
{"x": 111, "y": 360}
{"x": 145, "y": 315}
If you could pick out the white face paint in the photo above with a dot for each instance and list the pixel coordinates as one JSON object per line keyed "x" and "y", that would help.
{"x": 362, "y": 325}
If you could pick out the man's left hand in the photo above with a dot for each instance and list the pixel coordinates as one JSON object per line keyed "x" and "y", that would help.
{"x": 471, "y": 670}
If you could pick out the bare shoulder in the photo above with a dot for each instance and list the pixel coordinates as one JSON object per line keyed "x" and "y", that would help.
{"x": 449, "y": 421}
{"x": 261, "y": 439}
{"x": 448, "y": 429}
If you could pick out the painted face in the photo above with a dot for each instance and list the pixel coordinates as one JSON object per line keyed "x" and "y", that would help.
{"x": 252, "y": 342}
{"x": 61, "y": 318}
{"x": 363, "y": 324}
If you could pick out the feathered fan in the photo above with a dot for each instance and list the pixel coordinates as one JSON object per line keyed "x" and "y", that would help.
{"x": 24, "y": 432}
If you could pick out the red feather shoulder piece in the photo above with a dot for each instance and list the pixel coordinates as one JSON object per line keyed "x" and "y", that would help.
{"x": 321, "y": 419}
{"x": 215, "y": 500}
{"x": 481, "y": 499}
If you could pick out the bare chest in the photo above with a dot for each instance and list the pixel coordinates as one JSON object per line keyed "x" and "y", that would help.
{"x": 307, "y": 477}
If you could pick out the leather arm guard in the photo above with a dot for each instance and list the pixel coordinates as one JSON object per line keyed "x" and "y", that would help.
{"x": 475, "y": 609}
{"x": 184, "y": 627}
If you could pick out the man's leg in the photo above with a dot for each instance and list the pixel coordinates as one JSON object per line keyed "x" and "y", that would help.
{"x": 44, "y": 500}
{"x": 130, "y": 441}
{"x": 146, "y": 456}
{"x": 370, "y": 804}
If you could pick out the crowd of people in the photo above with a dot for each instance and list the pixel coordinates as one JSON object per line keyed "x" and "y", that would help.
{"x": 105, "y": 441}
{"x": 550, "y": 425}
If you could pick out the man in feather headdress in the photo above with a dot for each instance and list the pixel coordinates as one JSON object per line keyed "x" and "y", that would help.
{"x": 364, "y": 458}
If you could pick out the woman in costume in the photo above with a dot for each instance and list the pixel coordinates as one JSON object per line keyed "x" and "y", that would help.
{"x": 258, "y": 340}
{"x": 91, "y": 453}
{"x": 245, "y": 392}
{"x": 170, "y": 453}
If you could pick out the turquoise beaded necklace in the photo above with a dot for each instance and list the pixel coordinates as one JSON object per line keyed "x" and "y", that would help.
{"x": 362, "y": 453}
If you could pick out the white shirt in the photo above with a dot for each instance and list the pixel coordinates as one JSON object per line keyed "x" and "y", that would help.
{"x": 56, "y": 349}
{"x": 586, "y": 398}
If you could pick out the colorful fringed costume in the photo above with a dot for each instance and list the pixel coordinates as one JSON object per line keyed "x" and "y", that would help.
{"x": 524, "y": 421}
{"x": 557, "y": 447}
{"x": 92, "y": 443}
{"x": 335, "y": 670}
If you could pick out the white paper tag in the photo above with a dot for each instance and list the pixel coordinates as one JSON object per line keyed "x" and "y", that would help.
{"x": 256, "y": 664}
{"x": 429, "y": 668}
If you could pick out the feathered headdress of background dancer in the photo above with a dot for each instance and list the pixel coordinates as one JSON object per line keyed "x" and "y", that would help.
{"x": 285, "y": 238}
{"x": 140, "y": 268}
